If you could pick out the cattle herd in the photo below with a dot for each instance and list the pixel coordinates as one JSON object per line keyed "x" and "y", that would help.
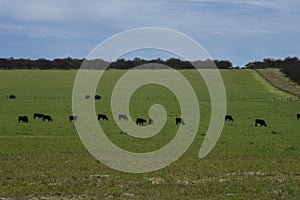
{"x": 35, "y": 116}
{"x": 139, "y": 121}
{"x": 260, "y": 122}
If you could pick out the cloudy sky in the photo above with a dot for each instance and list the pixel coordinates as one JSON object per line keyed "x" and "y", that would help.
{"x": 235, "y": 30}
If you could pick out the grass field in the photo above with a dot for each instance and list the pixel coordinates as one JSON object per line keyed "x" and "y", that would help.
{"x": 48, "y": 160}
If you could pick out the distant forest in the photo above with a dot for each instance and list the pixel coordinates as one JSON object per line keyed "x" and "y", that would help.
{"x": 72, "y": 63}
{"x": 289, "y": 66}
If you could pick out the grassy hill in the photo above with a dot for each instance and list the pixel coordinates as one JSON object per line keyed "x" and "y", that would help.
{"x": 44, "y": 159}
{"x": 278, "y": 80}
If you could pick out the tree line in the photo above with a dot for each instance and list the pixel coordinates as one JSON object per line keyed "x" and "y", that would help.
{"x": 290, "y": 66}
{"x": 73, "y": 63}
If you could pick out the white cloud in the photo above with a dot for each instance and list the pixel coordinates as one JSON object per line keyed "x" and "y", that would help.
{"x": 34, "y": 31}
{"x": 33, "y": 10}
{"x": 10, "y": 27}
{"x": 205, "y": 20}
{"x": 134, "y": 13}
{"x": 68, "y": 10}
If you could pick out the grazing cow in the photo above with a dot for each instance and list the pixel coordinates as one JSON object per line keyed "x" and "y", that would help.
{"x": 122, "y": 116}
{"x": 140, "y": 121}
{"x": 298, "y": 116}
{"x": 23, "y": 119}
{"x": 260, "y": 122}
{"x": 87, "y": 96}
{"x": 102, "y": 116}
{"x": 11, "y": 96}
{"x": 179, "y": 121}
{"x": 150, "y": 121}
{"x": 47, "y": 117}
{"x": 73, "y": 118}
{"x": 38, "y": 115}
{"x": 228, "y": 118}
{"x": 97, "y": 97}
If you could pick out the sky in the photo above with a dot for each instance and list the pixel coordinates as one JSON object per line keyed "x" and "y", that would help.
{"x": 240, "y": 31}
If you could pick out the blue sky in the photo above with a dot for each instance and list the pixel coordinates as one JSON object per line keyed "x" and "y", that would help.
{"x": 239, "y": 31}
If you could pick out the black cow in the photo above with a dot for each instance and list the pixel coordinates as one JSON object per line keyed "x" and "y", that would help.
{"x": 179, "y": 121}
{"x": 260, "y": 122}
{"x": 150, "y": 121}
{"x": 11, "y": 96}
{"x": 47, "y": 117}
{"x": 97, "y": 97}
{"x": 38, "y": 115}
{"x": 102, "y": 116}
{"x": 228, "y": 118}
{"x": 73, "y": 118}
{"x": 122, "y": 116}
{"x": 298, "y": 116}
{"x": 87, "y": 96}
{"x": 23, "y": 119}
{"x": 140, "y": 121}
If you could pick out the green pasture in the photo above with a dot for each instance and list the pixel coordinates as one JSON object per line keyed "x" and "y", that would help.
{"x": 48, "y": 160}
